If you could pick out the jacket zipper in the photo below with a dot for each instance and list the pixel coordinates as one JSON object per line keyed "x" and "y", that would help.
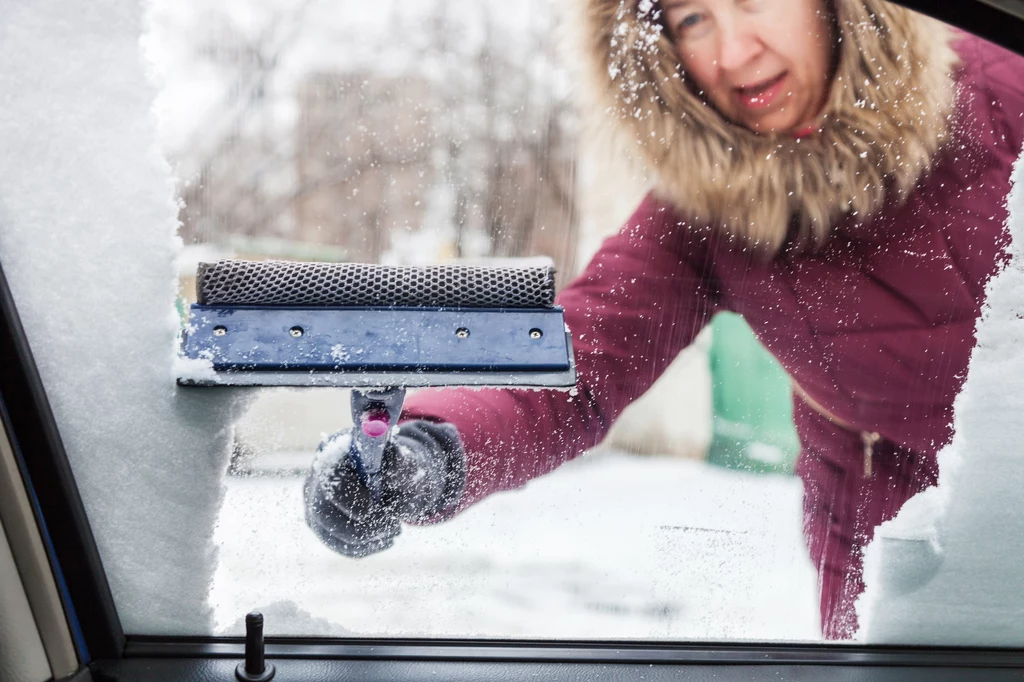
{"x": 868, "y": 438}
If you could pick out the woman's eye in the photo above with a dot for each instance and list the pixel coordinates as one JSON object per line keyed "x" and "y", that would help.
{"x": 689, "y": 24}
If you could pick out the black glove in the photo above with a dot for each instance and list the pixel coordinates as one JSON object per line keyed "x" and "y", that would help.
{"x": 423, "y": 474}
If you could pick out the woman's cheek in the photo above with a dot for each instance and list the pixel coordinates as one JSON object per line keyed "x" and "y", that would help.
{"x": 699, "y": 66}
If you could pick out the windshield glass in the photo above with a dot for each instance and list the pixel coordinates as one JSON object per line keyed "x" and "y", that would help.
{"x": 728, "y": 414}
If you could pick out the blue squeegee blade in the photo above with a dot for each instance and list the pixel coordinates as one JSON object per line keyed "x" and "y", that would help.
{"x": 273, "y": 345}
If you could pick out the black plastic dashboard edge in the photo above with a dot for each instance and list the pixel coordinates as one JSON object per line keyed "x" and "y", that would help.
{"x": 581, "y": 652}
{"x": 37, "y": 443}
{"x": 221, "y": 670}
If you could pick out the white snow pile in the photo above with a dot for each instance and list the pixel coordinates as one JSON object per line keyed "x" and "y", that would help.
{"x": 284, "y": 611}
{"x": 87, "y": 242}
{"x": 949, "y": 569}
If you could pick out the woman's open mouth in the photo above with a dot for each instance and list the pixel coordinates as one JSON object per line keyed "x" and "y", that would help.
{"x": 760, "y": 95}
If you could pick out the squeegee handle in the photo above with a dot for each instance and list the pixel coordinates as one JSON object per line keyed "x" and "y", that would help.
{"x": 374, "y": 414}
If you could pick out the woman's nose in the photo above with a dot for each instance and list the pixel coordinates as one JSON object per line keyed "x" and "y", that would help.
{"x": 739, "y": 46}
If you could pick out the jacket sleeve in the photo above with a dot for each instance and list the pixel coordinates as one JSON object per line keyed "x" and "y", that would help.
{"x": 640, "y": 301}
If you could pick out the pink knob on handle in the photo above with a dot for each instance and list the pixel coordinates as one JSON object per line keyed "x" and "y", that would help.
{"x": 376, "y": 424}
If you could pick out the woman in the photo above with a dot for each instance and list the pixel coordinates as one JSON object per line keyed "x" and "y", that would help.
{"x": 836, "y": 173}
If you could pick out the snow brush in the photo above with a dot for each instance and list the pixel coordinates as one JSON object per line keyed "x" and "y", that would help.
{"x": 377, "y": 329}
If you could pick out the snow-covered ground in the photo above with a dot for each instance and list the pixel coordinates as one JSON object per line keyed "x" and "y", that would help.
{"x": 609, "y": 546}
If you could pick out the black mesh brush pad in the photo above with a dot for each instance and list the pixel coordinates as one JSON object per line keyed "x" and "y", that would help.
{"x": 286, "y": 283}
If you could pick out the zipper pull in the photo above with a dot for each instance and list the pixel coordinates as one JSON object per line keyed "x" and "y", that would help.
{"x": 869, "y": 438}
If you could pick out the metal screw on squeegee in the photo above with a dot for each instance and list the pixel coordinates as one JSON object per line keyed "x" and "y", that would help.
{"x": 536, "y": 334}
{"x": 462, "y": 333}
{"x": 220, "y": 331}
{"x": 296, "y": 331}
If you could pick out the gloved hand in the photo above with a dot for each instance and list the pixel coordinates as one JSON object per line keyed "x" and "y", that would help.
{"x": 423, "y": 474}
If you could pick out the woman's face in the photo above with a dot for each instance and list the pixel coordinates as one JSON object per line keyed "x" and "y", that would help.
{"x": 763, "y": 64}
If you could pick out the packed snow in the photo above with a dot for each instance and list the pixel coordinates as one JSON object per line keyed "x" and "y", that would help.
{"x": 949, "y": 569}
{"x": 87, "y": 242}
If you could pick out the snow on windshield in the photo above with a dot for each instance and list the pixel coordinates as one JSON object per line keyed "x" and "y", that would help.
{"x": 448, "y": 133}
{"x": 88, "y": 242}
{"x": 946, "y": 570}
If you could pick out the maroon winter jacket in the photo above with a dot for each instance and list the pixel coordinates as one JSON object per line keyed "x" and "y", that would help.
{"x": 876, "y": 328}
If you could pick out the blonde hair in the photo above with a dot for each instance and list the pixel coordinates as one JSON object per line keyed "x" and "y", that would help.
{"x": 886, "y": 117}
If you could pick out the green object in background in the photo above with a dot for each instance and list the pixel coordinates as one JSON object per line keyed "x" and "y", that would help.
{"x": 181, "y": 305}
{"x": 752, "y": 402}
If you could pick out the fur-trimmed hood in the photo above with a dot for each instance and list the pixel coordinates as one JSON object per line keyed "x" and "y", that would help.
{"x": 887, "y": 115}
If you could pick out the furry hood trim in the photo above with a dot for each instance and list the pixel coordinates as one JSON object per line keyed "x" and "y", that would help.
{"x": 887, "y": 114}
